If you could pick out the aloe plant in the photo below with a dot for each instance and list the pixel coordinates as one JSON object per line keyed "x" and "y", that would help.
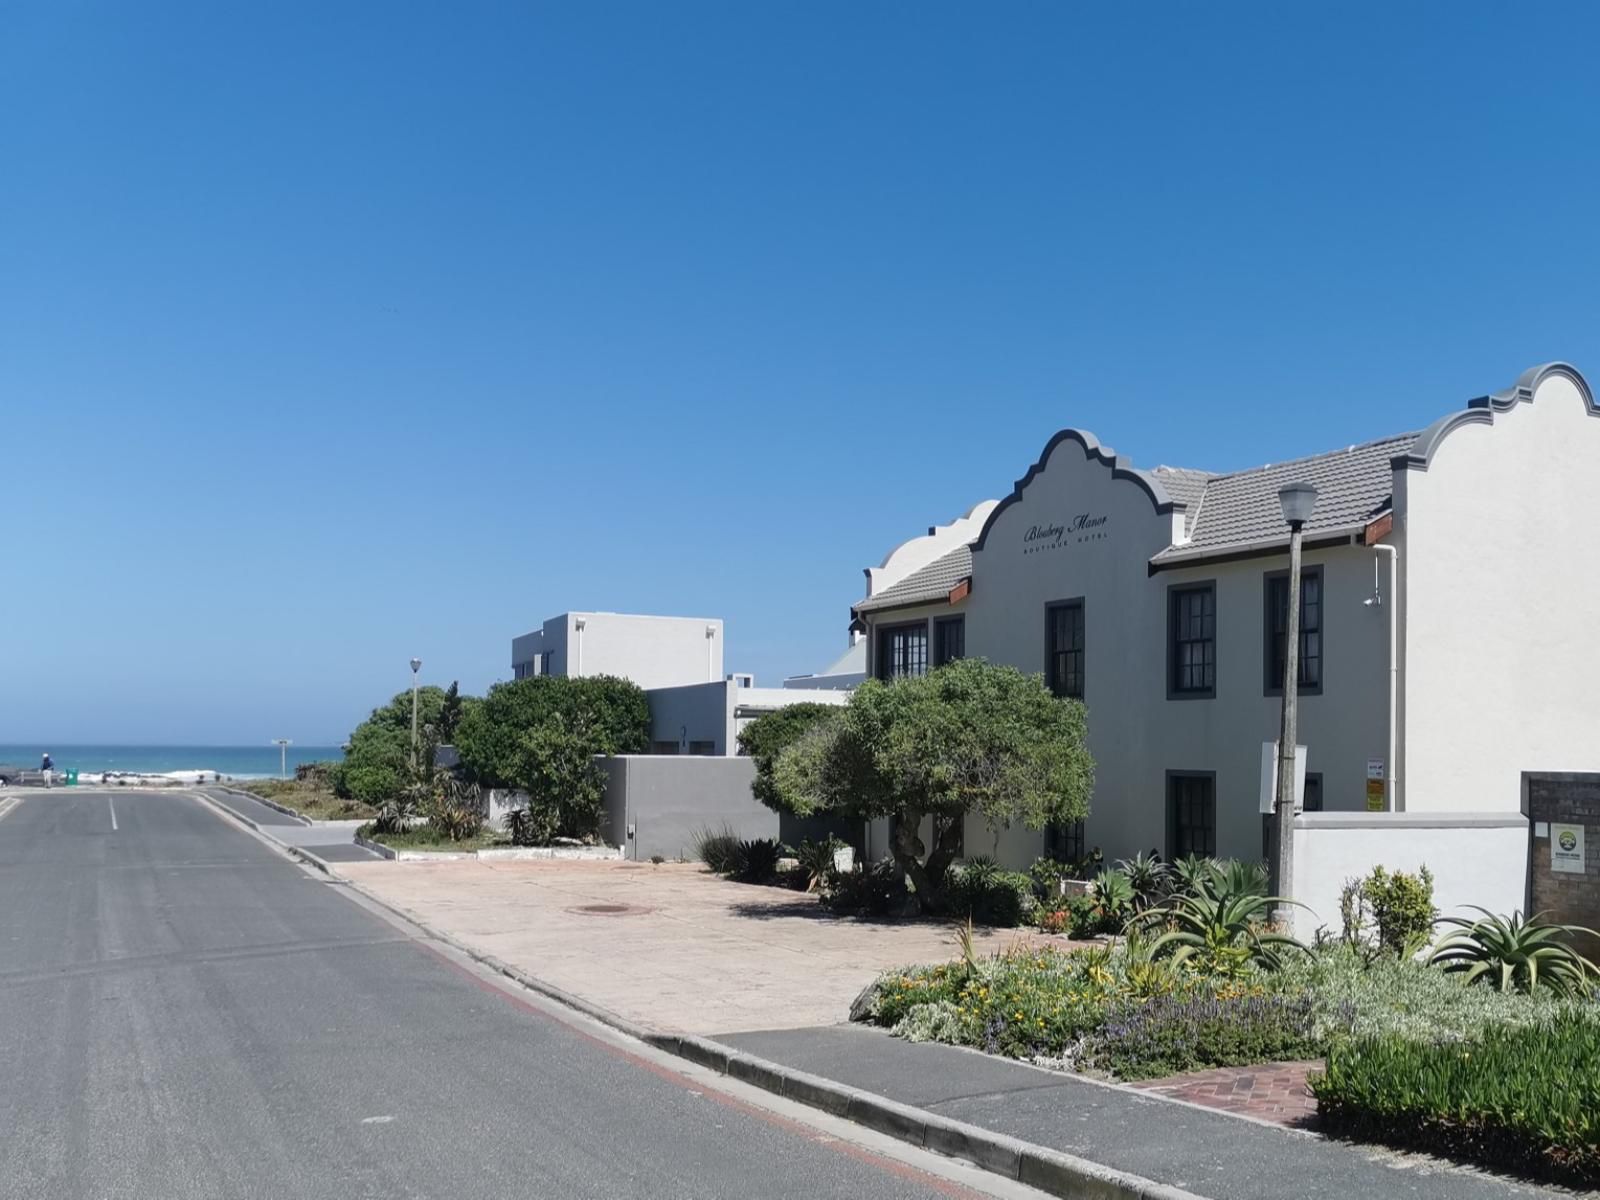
{"x": 1222, "y": 935}
{"x": 1147, "y": 875}
{"x": 1515, "y": 954}
{"x": 1114, "y": 893}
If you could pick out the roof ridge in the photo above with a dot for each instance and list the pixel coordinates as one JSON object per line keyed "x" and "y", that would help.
{"x": 1305, "y": 458}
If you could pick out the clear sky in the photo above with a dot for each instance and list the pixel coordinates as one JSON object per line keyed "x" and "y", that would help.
{"x": 332, "y": 334}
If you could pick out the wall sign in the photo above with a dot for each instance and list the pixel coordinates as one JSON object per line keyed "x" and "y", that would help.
{"x": 1376, "y": 793}
{"x": 1074, "y": 531}
{"x": 1566, "y": 848}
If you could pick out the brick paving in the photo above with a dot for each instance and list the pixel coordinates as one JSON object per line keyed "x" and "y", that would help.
{"x": 1274, "y": 1092}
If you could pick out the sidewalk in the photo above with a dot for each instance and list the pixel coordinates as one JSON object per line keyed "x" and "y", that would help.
{"x": 331, "y": 841}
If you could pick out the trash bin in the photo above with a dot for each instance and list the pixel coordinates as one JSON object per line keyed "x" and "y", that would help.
{"x": 72, "y": 777}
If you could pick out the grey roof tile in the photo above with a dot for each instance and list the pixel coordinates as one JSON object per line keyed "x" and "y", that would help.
{"x": 1353, "y": 486}
{"x": 1186, "y": 487}
{"x": 932, "y": 582}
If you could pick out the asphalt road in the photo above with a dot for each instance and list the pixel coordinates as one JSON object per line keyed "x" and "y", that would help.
{"x": 185, "y": 1014}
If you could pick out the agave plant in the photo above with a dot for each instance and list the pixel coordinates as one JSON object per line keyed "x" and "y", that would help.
{"x": 1113, "y": 893}
{"x": 1516, "y": 954}
{"x": 1147, "y": 875}
{"x": 1191, "y": 873}
{"x": 1222, "y": 935}
{"x": 1230, "y": 877}
{"x": 816, "y": 859}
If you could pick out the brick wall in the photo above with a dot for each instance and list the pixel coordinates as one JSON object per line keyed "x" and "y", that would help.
{"x": 1566, "y": 898}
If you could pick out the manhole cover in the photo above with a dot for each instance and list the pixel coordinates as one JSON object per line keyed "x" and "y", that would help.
{"x": 608, "y": 910}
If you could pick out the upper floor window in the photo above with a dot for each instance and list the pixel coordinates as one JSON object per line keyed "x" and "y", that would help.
{"x": 903, "y": 651}
{"x": 1192, "y": 640}
{"x": 949, "y": 640}
{"x": 1064, "y": 648}
{"x": 1276, "y": 622}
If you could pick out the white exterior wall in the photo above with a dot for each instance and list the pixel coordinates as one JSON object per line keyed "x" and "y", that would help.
{"x": 715, "y": 712}
{"x": 1501, "y": 577}
{"x": 915, "y": 553}
{"x": 1475, "y": 858}
{"x": 651, "y": 651}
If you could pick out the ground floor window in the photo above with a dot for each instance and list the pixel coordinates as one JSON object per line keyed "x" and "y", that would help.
{"x": 1064, "y": 843}
{"x": 663, "y": 747}
{"x": 1191, "y": 814}
{"x": 702, "y": 747}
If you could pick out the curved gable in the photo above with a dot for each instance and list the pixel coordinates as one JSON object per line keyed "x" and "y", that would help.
{"x": 1093, "y": 451}
{"x": 1482, "y": 410}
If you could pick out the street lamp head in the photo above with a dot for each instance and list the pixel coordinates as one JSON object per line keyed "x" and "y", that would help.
{"x": 1298, "y": 500}
{"x": 416, "y": 665}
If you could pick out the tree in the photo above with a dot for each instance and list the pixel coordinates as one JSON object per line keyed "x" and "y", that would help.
{"x": 967, "y": 737}
{"x": 771, "y": 734}
{"x": 611, "y": 714}
{"x": 377, "y": 760}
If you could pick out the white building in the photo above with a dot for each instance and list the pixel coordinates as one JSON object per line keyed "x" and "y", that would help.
{"x": 1447, "y": 652}
{"x": 651, "y": 651}
{"x": 694, "y": 708}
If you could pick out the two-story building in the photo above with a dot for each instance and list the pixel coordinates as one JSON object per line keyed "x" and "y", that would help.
{"x": 1448, "y": 650}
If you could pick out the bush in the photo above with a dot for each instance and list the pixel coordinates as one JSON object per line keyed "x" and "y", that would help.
{"x": 557, "y": 769}
{"x": 772, "y": 733}
{"x": 718, "y": 850}
{"x": 1522, "y": 1098}
{"x": 531, "y": 826}
{"x": 377, "y": 759}
{"x": 604, "y": 715}
{"x": 1223, "y": 936}
{"x": 816, "y": 861}
{"x": 1393, "y": 910}
{"x": 984, "y": 893}
{"x": 1170, "y": 1034}
{"x": 757, "y": 860}
{"x": 872, "y": 891}
{"x": 371, "y": 783}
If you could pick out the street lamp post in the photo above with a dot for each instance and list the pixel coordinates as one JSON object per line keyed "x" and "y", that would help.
{"x": 1298, "y": 500}
{"x": 416, "y": 665}
{"x": 283, "y": 745}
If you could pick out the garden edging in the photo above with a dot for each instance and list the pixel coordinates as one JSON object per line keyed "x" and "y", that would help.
{"x": 494, "y": 853}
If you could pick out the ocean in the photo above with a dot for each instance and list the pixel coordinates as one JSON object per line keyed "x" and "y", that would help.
{"x": 242, "y": 762}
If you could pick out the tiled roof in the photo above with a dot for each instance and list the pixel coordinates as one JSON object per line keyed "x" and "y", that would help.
{"x": 932, "y": 582}
{"x": 1186, "y": 487}
{"x": 1353, "y": 486}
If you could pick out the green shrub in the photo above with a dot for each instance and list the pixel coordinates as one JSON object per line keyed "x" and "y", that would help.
{"x": 1521, "y": 1098}
{"x": 1510, "y": 953}
{"x": 770, "y": 734}
{"x": 556, "y": 767}
{"x": 816, "y": 860}
{"x": 870, "y": 891}
{"x": 371, "y": 783}
{"x": 1170, "y": 1034}
{"x": 1148, "y": 876}
{"x": 1114, "y": 895}
{"x": 602, "y": 714}
{"x": 718, "y": 850}
{"x": 987, "y": 895}
{"x": 531, "y": 825}
{"x": 757, "y": 860}
{"x": 1221, "y": 935}
{"x": 1402, "y": 908}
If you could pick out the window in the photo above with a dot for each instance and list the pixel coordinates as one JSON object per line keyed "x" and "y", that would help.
{"x": 1192, "y": 641}
{"x": 1064, "y": 843}
{"x": 544, "y": 662}
{"x": 903, "y": 651}
{"x": 663, "y": 747}
{"x": 519, "y": 670}
{"x": 1191, "y": 814}
{"x": 702, "y": 747}
{"x": 1064, "y": 648}
{"x": 1275, "y": 623}
{"x": 949, "y": 640}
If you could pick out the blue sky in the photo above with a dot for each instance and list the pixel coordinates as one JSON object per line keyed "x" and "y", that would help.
{"x": 334, "y": 334}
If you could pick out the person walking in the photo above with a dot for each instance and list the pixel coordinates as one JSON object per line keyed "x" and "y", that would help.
{"x": 47, "y": 768}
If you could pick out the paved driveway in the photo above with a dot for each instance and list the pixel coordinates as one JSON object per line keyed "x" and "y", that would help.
{"x": 687, "y": 952}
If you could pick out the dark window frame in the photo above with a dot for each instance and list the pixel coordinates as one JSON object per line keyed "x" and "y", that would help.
{"x": 881, "y": 637}
{"x": 942, "y": 626}
{"x": 1057, "y": 688}
{"x": 1064, "y": 842}
{"x": 1271, "y": 666}
{"x": 1175, "y": 850}
{"x": 1174, "y": 592}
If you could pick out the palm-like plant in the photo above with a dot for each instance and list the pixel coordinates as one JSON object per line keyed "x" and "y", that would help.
{"x": 1148, "y": 877}
{"x": 1222, "y": 935}
{"x": 1113, "y": 893}
{"x": 1516, "y": 954}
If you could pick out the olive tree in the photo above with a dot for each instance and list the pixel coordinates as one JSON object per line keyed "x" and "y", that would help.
{"x": 970, "y": 737}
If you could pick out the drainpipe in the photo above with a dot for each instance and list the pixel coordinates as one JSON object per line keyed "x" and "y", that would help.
{"x": 1391, "y": 784}
{"x": 579, "y": 625}
{"x": 711, "y": 653}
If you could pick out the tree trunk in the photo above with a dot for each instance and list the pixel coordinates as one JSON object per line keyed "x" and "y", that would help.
{"x": 927, "y": 877}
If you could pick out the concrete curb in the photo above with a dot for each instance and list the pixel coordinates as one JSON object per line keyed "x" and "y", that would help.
{"x": 1051, "y": 1171}
{"x": 377, "y": 848}
{"x": 295, "y": 852}
{"x": 288, "y": 812}
{"x": 1048, "y": 1170}
{"x": 496, "y": 854}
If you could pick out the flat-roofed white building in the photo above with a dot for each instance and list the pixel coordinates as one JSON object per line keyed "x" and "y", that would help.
{"x": 651, "y": 651}
{"x": 1448, "y": 649}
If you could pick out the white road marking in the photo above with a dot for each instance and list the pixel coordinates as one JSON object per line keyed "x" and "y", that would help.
{"x": 112, "y": 804}
{"x": 10, "y": 804}
{"x": 376, "y": 1120}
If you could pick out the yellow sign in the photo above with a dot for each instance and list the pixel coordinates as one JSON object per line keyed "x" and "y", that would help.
{"x": 1375, "y": 795}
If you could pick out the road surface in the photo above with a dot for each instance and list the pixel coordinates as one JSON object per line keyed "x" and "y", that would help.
{"x": 187, "y": 1015}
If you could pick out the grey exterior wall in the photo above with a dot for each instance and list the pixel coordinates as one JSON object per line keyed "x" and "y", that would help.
{"x": 696, "y": 712}
{"x": 660, "y": 804}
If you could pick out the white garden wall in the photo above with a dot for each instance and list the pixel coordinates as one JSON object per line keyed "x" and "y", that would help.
{"x": 1476, "y": 858}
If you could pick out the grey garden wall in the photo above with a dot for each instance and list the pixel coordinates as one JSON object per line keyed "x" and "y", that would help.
{"x": 659, "y": 804}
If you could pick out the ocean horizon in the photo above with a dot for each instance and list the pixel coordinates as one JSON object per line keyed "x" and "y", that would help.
{"x": 242, "y": 762}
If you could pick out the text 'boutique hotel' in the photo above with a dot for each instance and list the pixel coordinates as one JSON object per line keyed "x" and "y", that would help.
{"x": 1448, "y": 646}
